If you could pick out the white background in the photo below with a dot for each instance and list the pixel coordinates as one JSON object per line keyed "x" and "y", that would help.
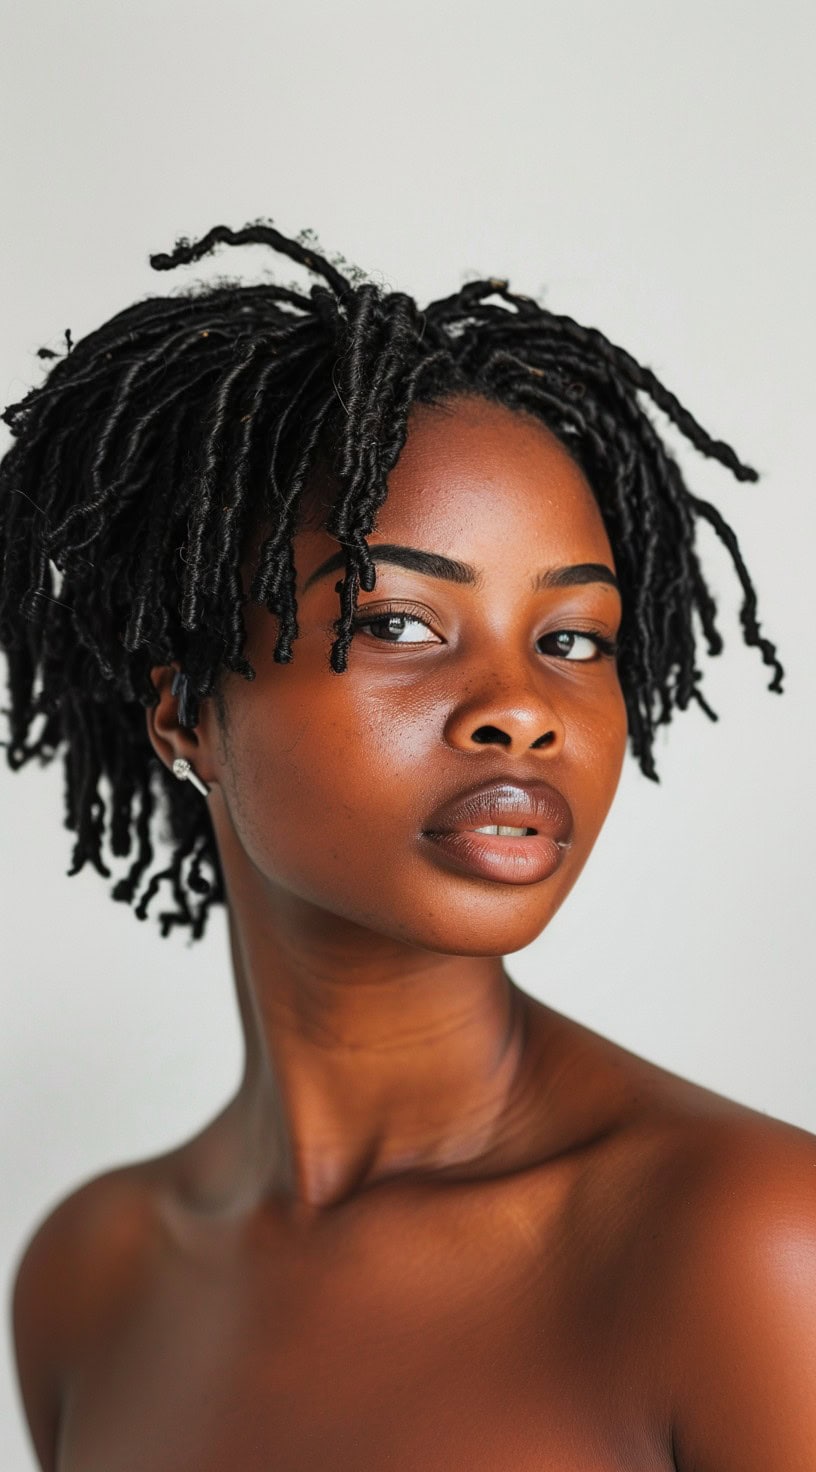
{"x": 646, "y": 168}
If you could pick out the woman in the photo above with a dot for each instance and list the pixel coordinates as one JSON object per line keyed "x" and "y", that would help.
{"x": 440, "y": 1225}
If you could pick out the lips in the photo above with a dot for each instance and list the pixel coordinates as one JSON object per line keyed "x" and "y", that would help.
{"x": 503, "y": 803}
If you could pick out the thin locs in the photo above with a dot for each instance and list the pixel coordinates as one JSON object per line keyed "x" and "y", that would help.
{"x": 161, "y": 442}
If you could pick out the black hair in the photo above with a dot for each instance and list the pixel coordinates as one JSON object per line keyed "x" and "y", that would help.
{"x": 158, "y": 442}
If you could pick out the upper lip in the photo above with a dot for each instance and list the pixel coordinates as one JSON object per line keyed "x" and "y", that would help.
{"x": 505, "y": 801}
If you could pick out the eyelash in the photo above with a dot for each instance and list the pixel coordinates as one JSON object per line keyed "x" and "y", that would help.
{"x": 605, "y": 646}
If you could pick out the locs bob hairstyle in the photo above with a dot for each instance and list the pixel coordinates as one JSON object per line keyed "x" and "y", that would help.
{"x": 160, "y": 443}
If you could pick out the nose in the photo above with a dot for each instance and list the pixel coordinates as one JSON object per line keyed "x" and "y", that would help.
{"x": 519, "y": 719}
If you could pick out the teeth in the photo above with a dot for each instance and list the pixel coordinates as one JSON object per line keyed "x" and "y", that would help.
{"x": 499, "y": 828}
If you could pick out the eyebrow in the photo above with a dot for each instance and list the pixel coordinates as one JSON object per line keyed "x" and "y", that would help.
{"x": 434, "y": 565}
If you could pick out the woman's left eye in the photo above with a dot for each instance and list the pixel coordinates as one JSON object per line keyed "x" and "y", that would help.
{"x": 573, "y": 645}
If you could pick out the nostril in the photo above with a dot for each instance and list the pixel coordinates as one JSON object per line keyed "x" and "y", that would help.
{"x": 491, "y": 733}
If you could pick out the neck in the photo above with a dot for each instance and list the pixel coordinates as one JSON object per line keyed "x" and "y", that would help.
{"x": 365, "y": 1058}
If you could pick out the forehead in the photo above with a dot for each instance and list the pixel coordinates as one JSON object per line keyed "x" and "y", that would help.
{"x": 487, "y": 484}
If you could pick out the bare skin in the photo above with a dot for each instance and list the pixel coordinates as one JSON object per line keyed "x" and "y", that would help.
{"x": 440, "y": 1225}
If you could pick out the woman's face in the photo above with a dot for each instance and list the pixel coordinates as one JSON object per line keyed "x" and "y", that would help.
{"x": 327, "y": 781}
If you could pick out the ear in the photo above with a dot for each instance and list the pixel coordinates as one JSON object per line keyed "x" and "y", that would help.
{"x": 168, "y": 738}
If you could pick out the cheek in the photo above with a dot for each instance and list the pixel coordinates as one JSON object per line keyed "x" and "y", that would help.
{"x": 595, "y": 749}
{"x": 320, "y": 781}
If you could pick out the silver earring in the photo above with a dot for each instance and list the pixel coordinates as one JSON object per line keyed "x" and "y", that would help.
{"x": 185, "y": 773}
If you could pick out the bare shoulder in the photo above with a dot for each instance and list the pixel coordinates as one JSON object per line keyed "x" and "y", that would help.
{"x": 705, "y": 1162}
{"x": 76, "y": 1273}
{"x": 729, "y": 1178}
{"x": 741, "y": 1297}
{"x": 719, "y": 1201}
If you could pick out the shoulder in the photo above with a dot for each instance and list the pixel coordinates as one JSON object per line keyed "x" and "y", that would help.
{"x": 76, "y": 1273}
{"x": 728, "y": 1192}
{"x": 706, "y": 1209}
{"x": 738, "y": 1227}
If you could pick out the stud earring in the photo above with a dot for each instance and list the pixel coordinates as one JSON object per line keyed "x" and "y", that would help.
{"x": 183, "y": 770}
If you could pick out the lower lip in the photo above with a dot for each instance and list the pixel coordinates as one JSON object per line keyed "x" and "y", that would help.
{"x": 500, "y": 856}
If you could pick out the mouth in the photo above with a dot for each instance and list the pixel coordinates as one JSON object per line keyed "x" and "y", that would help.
{"x": 505, "y": 830}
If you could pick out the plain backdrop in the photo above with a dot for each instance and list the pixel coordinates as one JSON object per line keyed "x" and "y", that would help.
{"x": 645, "y": 168}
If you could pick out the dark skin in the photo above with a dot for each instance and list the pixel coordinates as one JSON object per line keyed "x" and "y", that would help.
{"x": 440, "y": 1225}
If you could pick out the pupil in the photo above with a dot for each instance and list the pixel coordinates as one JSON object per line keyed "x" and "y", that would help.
{"x": 392, "y": 623}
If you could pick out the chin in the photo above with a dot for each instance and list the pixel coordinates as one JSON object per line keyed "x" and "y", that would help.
{"x": 477, "y": 920}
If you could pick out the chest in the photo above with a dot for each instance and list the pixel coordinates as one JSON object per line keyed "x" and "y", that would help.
{"x": 414, "y": 1356}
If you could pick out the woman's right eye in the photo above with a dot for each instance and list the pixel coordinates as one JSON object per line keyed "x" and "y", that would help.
{"x": 387, "y": 621}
